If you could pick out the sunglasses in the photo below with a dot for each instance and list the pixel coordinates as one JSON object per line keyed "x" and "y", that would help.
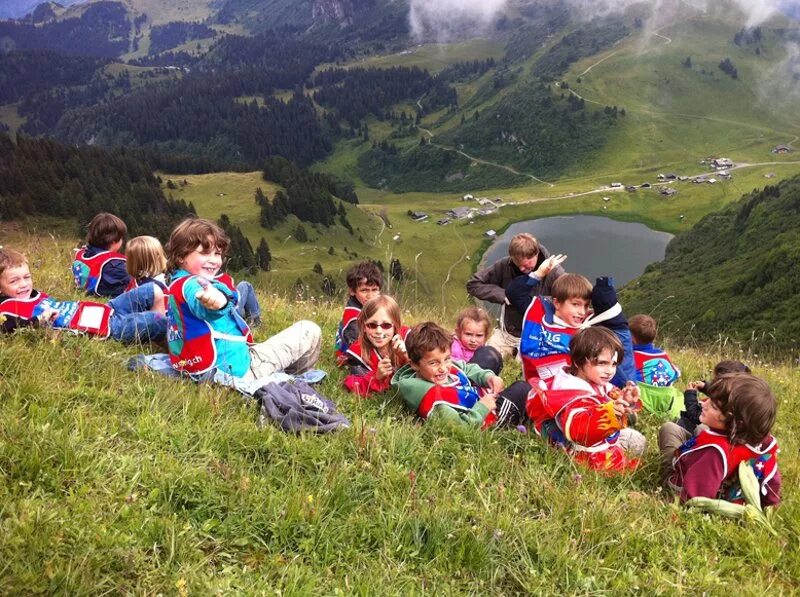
{"x": 373, "y": 325}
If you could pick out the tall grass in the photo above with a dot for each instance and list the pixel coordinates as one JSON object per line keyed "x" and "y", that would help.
{"x": 120, "y": 482}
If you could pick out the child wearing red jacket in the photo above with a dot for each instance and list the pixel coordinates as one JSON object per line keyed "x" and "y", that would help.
{"x": 379, "y": 349}
{"x": 580, "y": 410}
{"x": 736, "y": 421}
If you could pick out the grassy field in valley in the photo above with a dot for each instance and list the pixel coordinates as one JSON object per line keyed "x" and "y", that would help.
{"x": 112, "y": 481}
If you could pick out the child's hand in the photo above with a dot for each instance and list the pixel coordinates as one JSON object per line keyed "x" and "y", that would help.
{"x": 549, "y": 264}
{"x": 495, "y": 384}
{"x": 630, "y": 394}
{"x": 385, "y": 368}
{"x": 489, "y": 401}
{"x": 697, "y": 385}
{"x": 620, "y": 408}
{"x": 211, "y": 298}
{"x": 48, "y": 316}
{"x": 398, "y": 344}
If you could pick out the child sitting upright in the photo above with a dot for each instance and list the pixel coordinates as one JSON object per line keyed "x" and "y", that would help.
{"x": 135, "y": 316}
{"x": 99, "y": 267}
{"x": 205, "y": 331}
{"x": 146, "y": 262}
{"x": 431, "y": 384}
{"x": 364, "y": 282}
{"x": 653, "y": 365}
{"x": 580, "y": 410}
{"x": 473, "y": 327}
{"x": 690, "y": 417}
{"x": 737, "y": 417}
{"x": 379, "y": 349}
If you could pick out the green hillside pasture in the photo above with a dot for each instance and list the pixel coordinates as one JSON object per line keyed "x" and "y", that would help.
{"x": 291, "y": 259}
{"x": 118, "y": 482}
{"x": 677, "y": 115}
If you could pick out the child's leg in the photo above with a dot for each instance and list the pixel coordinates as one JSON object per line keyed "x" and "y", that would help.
{"x": 633, "y": 442}
{"x": 248, "y": 306}
{"x": 148, "y": 326}
{"x": 670, "y": 438}
{"x": 506, "y": 344}
{"x": 510, "y": 409}
{"x": 148, "y": 297}
{"x": 294, "y": 350}
{"x": 488, "y": 357}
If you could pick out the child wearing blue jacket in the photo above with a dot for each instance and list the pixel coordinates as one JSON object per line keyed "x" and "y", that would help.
{"x": 205, "y": 331}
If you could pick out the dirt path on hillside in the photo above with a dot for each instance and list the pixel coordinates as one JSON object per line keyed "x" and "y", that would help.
{"x": 668, "y": 39}
{"x": 598, "y": 62}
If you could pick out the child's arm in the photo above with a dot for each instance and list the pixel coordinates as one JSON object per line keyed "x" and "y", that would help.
{"x": 207, "y": 300}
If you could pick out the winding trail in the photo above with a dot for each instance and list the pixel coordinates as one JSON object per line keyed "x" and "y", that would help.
{"x": 478, "y": 160}
{"x": 669, "y": 40}
{"x": 590, "y": 67}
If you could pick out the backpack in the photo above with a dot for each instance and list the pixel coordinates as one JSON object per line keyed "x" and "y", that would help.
{"x": 295, "y": 406}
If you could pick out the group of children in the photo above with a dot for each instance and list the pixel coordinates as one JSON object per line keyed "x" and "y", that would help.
{"x": 583, "y": 363}
{"x": 584, "y": 368}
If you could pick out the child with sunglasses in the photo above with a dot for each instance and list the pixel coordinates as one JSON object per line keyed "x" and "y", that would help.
{"x": 379, "y": 349}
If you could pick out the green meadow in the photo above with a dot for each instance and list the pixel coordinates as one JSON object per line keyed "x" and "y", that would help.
{"x": 120, "y": 482}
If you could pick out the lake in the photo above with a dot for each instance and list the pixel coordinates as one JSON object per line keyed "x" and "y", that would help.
{"x": 595, "y": 246}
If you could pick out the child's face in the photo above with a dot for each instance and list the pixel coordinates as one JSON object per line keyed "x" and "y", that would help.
{"x": 472, "y": 334}
{"x": 202, "y": 262}
{"x": 365, "y": 291}
{"x": 16, "y": 282}
{"x": 602, "y": 370}
{"x": 434, "y": 366}
{"x": 380, "y": 329}
{"x": 573, "y": 311}
{"x": 711, "y": 415}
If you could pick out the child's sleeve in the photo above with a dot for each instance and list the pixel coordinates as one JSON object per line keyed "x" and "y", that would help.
{"x": 608, "y": 313}
{"x": 475, "y": 373}
{"x": 474, "y": 417}
{"x": 773, "y": 495}
{"x": 192, "y": 287}
{"x": 521, "y": 290}
{"x": 350, "y": 332}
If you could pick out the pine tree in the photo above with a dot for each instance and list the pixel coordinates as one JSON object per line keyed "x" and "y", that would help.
{"x": 263, "y": 255}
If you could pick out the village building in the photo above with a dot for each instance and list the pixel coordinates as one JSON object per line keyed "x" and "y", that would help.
{"x": 721, "y": 163}
{"x": 668, "y": 191}
{"x": 461, "y": 213}
{"x": 781, "y": 149}
{"x": 490, "y": 233}
{"x": 443, "y": 221}
{"x": 418, "y": 216}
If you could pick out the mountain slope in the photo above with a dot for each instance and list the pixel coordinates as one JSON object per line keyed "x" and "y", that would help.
{"x": 736, "y": 273}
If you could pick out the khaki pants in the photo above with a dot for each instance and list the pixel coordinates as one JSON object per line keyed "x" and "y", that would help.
{"x": 294, "y": 350}
{"x": 506, "y": 344}
{"x": 670, "y": 438}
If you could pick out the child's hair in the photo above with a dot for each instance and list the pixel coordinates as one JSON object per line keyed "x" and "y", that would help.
{"x": 10, "y": 258}
{"x": 730, "y": 366}
{"x": 368, "y": 310}
{"x": 475, "y": 314}
{"x": 190, "y": 234}
{"x": 425, "y": 337}
{"x": 748, "y": 404}
{"x": 365, "y": 272}
{"x": 571, "y": 286}
{"x": 145, "y": 257}
{"x": 586, "y": 346}
{"x": 105, "y": 229}
{"x": 523, "y": 246}
{"x": 643, "y": 328}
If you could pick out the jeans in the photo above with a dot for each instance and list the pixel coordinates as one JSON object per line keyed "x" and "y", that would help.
{"x": 247, "y": 306}
{"x": 132, "y": 320}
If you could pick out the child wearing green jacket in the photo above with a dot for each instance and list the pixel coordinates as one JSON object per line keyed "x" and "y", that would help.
{"x": 432, "y": 384}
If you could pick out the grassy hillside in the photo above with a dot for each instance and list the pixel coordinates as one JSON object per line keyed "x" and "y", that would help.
{"x": 119, "y": 482}
{"x": 744, "y": 261}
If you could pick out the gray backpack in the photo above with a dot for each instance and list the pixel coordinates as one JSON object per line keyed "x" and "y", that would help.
{"x": 295, "y": 406}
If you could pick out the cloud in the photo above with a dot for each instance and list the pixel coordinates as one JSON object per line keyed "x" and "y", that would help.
{"x": 444, "y": 19}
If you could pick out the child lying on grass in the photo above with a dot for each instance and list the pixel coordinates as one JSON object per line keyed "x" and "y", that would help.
{"x": 432, "y": 384}
{"x": 134, "y": 316}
